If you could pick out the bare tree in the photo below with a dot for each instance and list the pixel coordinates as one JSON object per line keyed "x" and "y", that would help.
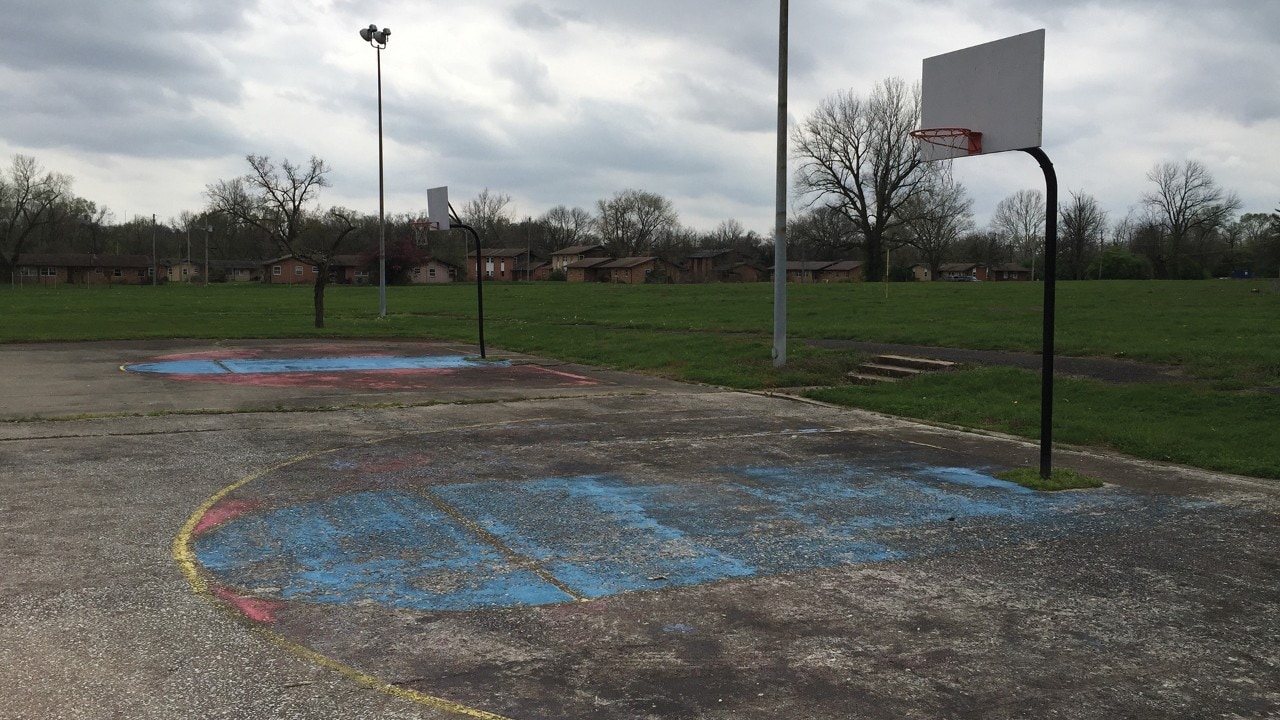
{"x": 822, "y": 233}
{"x": 634, "y": 222}
{"x": 938, "y": 217}
{"x": 988, "y": 248}
{"x": 567, "y": 227}
{"x": 1020, "y": 219}
{"x": 29, "y": 200}
{"x": 857, "y": 155}
{"x": 490, "y": 215}
{"x": 1083, "y": 226}
{"x": 277, "y": 201}
{"x": 1188, "y": 204}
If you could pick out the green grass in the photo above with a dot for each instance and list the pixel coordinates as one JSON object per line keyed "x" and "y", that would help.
{"x": 1224, "y": 337}
{"x": 1059, "y": 479}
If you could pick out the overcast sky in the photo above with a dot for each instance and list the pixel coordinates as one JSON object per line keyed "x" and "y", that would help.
{"x": 145, "y": 102}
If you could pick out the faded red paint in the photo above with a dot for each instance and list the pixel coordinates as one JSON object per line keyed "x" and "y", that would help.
{"x": 256, "y": 609}
{"x": 223, "y": 512}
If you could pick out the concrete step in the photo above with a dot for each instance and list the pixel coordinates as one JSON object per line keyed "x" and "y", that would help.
{"x": 893, "y": 371}
{"x": 918, "y": 363}
{"x": 891, "y": 368}
{"x": 858, "y": 378}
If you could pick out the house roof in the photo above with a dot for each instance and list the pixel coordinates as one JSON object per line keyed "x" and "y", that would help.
{"x": 629, "y": 262}
{"x": 83, "y": 260}
{"x": 1010, "y": 267}
{"x": 577, "y": 249}
{"x": 843, "y": 266}
{"x": 587, "y": 263}
{"x": 793, "y": 265}
{"x": 441, "y": 261}
{"x": 958, "y": 267}
{"x": 500, "y": 252}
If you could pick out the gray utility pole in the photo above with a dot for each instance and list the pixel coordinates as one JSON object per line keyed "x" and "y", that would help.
{"x": 780, "y": 221}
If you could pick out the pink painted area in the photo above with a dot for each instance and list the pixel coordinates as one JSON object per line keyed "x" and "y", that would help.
{"x": 224, "y": 511}
{"x": 256, "y": 609}
{"x": 398, "y": 464}
{"x": 577, "y": 379}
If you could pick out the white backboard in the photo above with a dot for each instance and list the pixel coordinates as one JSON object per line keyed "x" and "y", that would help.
{"x": 438, "y": 208}
{"x": 996, "y": 89}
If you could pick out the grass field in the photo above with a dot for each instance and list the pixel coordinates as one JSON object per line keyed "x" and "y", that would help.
{"x": 1224, "y": 335}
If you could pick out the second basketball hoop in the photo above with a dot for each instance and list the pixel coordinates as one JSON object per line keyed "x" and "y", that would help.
{"x": 961, "y": 140}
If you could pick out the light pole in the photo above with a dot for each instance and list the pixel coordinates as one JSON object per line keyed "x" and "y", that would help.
{"x": 780, "y": 210}
{"x": 207, "y": 229}
{"x": 155, "y": 269}
{"x": 378, "y": 40}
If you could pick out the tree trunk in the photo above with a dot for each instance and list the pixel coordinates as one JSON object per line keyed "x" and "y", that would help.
{"x": 322, "y": 279}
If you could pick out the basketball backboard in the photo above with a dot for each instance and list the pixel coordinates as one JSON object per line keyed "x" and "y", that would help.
{"x": 996, "y": 89}
{"x": 438, "y": 208}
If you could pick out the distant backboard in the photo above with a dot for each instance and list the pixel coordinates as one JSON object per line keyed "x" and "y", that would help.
{"x": 438, "y": 208}
{"x": 996, "y": 89}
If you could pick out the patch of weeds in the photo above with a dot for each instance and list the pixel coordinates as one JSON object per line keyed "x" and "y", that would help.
{"x": 1059, "y": 479}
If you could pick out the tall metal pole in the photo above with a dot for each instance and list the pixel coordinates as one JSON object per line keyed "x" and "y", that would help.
{"x": 155, "y": 262}
{"x": 479, "y": 284}
{"x": 780, "y": 216}
{"x": 382, "y": 228}
{"x": 207, "y": 229}
{"x": 1050, "y": 291}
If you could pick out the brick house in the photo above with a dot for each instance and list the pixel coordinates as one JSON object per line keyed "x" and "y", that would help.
{"x": 841, "y": 271}
{"x": 637, "y": 270}
{"x": 962, "y": 271}
{"x": 713, "y": 266}
{"x": 288, "y": 270}
{"x": 806, "y": 271}
{"x": 433, "y": 270}
{"x": 746, "y": 272}
{"x": 586, "y": 270}
{"x": 82, "y": 269}
{"x": 563, "y": 258}
{"x": 504, "y": 264}
{"x": 1009, "y": 271}
{"x": 235, "y": 270}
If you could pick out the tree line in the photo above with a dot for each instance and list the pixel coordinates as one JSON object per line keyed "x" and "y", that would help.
{"x": 866, "y": 188}
{"x": 862, "y": 188}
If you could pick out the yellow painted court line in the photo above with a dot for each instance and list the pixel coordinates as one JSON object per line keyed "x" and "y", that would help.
{"x": 184, "y": 556}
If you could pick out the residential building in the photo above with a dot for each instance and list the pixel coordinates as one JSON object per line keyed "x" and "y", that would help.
{"x": 841, "y": 271}
{"x": 563, "y": 258}
{"x": 586, "y": 270}
{"x": 1009, "y": 271}
{"x": 82, "y": 269}
{"x": 504, "y": 264}
{"x": 433, "y": 271}
{"x": 636, "y": 270}
{"x": 805, "y": 271}
{"x": 962, "y": 271}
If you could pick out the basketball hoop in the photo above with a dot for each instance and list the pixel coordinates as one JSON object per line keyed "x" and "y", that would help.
{"x": 422, "y": 230}
{"x": 963, "y": 140}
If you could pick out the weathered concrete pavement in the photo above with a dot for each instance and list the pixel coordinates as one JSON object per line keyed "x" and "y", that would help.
{"x": 716, "y": 555}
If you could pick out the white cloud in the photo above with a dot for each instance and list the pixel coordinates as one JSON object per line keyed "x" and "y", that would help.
{"x": 568, "y": 101}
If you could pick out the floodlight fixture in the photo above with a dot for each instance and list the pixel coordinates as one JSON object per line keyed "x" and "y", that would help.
{"x": 378, "y": 40}
{"x": 374, "y": 36}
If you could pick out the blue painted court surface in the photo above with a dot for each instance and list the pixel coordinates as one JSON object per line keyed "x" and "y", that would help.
{"x": 318, "y": 364}
{"x": 559, "y": 539}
